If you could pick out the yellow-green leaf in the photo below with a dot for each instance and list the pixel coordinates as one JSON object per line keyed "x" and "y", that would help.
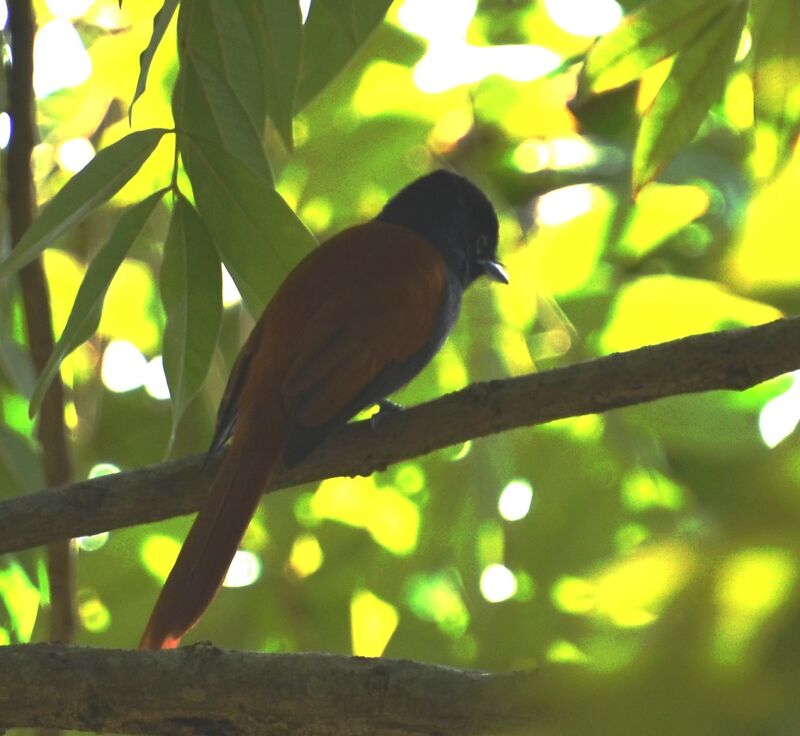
{"x": 334, "y": 31}
{"x": 191, "y": 290}
{"x": 256, "y": 233}
{"x": 696, "y": 81}
{"x": 94, "y": 184}
{"x": 85, "y": 314}
{"x": 659, "y": 29}
{"x": 776, "y": 71}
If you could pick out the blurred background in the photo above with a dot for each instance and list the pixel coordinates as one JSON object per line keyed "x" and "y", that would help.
{"x": 666, "y": 532}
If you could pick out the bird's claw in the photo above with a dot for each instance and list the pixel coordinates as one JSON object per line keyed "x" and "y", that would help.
{"x": 386, "y": 409}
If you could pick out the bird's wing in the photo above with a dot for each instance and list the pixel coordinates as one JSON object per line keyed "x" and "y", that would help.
{"x": 384, "y": 319}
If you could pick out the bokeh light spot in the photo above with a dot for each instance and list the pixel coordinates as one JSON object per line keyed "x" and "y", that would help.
{"x": 562, "y": 205}
{"x": 436, "y": 597}
{"x": 68, "y": 8}
{"x": 317, "y": 213}
{"x": 751, "y": 586}
{"x": 515, "y": 500}
{"x": 573, "y": 595}
{"x": 102, "y": 469}
{"x": 585, "y": 17}
{"x": 60, "y": 60}
{"x": 158, "y": 555}
{"x": 92, "y": 542}
{"x": 230, "y": 293}
{"x": 781, "y": 415}
{"x": 644, "y": 489}
{"x": 565, "y": 651}
{"x": 410, "y": 478}
{"x": 5, "y": 129}
{"x": 498, "y": 583}
{"x": 93, "y": 613}
{"x": 630, "y": 592}
{"x": 21, "y": 598}
{"x": 306, "y": 556}
{"x": 124, "y": 367}
{"x": 244, "y": 570}
{"x": 389, "y": 516}
{"x": 155, "y": 381}
{"x": 74, "y": 154}
{"x": 372, "y": 623}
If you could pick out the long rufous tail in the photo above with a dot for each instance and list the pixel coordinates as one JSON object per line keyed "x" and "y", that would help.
{"x": 212, "y": 540}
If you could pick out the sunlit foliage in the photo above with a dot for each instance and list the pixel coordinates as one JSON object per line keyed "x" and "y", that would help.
{"x": 665, "y": 533}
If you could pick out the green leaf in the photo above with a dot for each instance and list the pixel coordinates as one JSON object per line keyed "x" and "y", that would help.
{"x": 696, "y": 81}
{"x": 277, "y": 27}
{"x": 258, "y": 236}
{"x": 191, "y": 290}
{"x": 85, "y": 314}
{"x": 94, "y": 184}
{"x": 161, "y": 21}
{"x": 655, "y": 32}
{"x": 334, "y": 31}
{"x": 776, "y": 70}
{"x": 232, "y": 125}
{"x": 220, "y": 91}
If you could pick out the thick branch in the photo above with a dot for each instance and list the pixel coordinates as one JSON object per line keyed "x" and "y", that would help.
{"x": 734, "y": 359}
{"x": 204, "y": 690}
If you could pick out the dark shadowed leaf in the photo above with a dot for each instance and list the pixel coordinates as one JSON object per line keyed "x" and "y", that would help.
{"x": 85, "y": 314}
{"x": 191, "y": 290}
{"x": 96, "y": 183}
{"x": 334, "y": 31}
{"x": 656, "y": 31}
{"x": 160, "y": 23}
{"x": 258, "y": 236}
{"x": 22, "y": 460}
{"x": 696, "y": 81}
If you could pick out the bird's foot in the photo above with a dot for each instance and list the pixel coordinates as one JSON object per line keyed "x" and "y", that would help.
{"x": 386, "y": 409}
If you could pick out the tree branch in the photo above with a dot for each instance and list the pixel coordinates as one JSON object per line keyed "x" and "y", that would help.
{"x": 51, "y": 430}
{"x": 205, "y": 690}
{"x": 733, "y": 359}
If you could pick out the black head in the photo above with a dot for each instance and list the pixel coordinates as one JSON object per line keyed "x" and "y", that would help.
{"x": 453, "y": 214}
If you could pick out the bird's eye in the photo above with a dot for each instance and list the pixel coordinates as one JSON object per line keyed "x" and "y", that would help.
{"x": 482, "y": 245}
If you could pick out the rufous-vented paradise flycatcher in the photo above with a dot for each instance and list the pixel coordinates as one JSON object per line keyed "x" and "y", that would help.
{"x": 357, "y": 319}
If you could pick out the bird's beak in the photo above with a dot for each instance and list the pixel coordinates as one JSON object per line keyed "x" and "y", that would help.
{"x": 494, "y": 270}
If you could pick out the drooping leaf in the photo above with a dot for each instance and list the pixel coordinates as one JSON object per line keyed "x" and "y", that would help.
{"x": 220, "y": 95}
{"x": 334, "y": 31}
{"x": 85, "y": 314}
{"x": 161, "y": 21}
{"x": 776, "y": 70}
{"x": 258, "y": 236}
{"x": 656, "y": 31}
{"x": 94, "y": 184}
{"x": 696, "y": 81}
{"x": 240, "y": 63}
{"x": 233, "y": 127}
{"x": 191, "y": 290}
{"x": 277, "y": 28}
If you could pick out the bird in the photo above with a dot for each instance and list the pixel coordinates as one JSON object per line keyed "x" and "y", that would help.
{"x": 353, "y": 322}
